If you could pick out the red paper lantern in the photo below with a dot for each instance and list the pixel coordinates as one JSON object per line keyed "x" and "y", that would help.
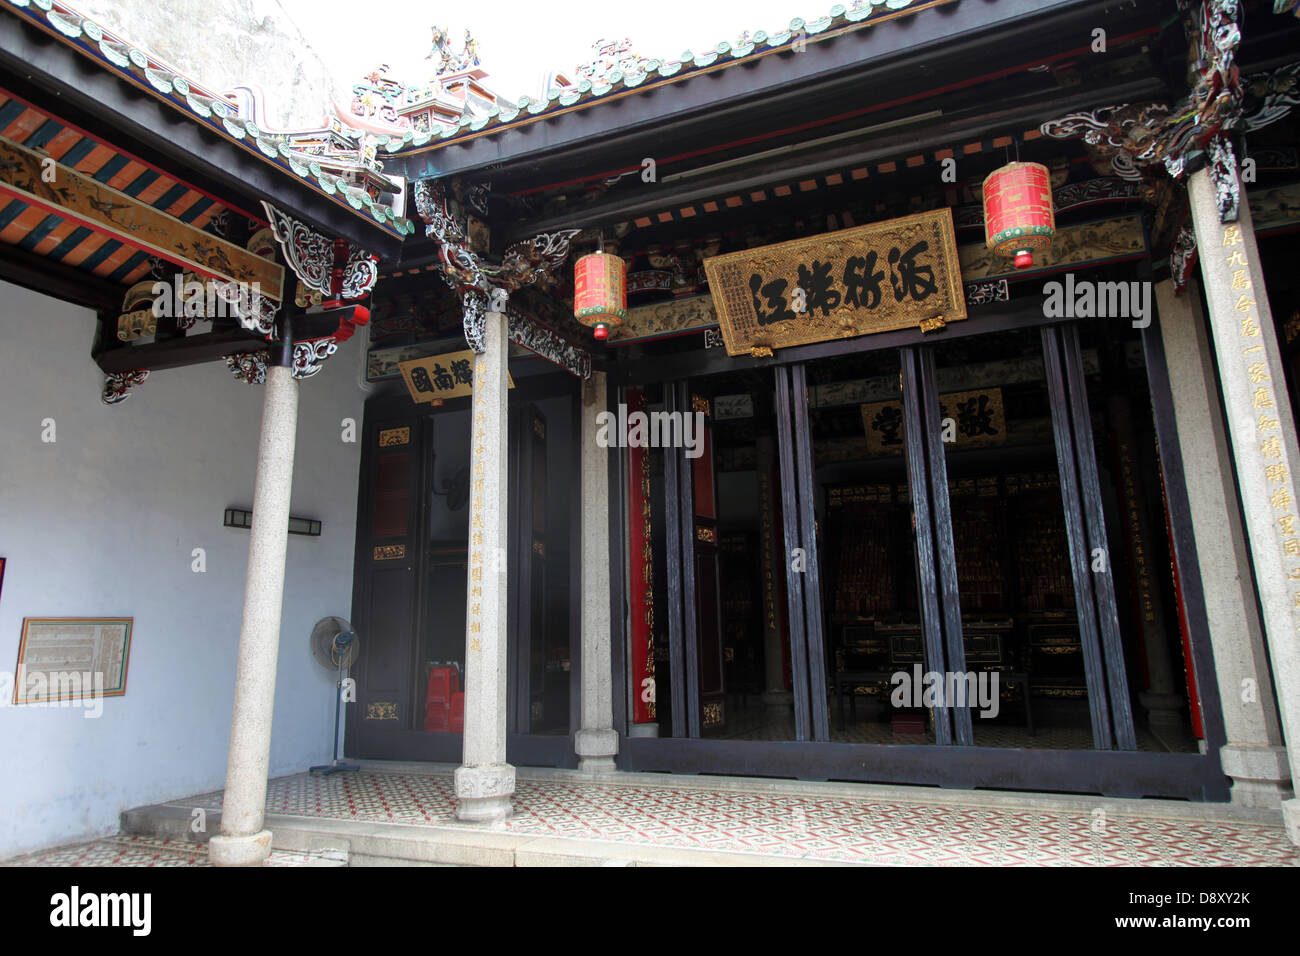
{"x": 1018, "y": 214}
{"x": 600, "y": 292}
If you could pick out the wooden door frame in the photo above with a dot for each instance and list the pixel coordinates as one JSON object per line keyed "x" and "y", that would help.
{"x": 409, "y": 742}
{"x": 1104, "y": 771}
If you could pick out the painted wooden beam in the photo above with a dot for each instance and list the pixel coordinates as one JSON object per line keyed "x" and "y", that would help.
{"x": 27, "y": 175}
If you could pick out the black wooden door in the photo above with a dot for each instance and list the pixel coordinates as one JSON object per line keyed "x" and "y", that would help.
{"x": 526, "y": 662}
{"x": 385, "y": 594}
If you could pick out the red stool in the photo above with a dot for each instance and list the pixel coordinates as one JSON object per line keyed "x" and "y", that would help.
{"x": 456, "y": 721}
{"x": 443, "y": 682}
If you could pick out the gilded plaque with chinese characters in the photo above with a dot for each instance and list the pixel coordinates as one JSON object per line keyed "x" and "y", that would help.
{"x": 888, "y": 275}
{"x": 449, "y": 375}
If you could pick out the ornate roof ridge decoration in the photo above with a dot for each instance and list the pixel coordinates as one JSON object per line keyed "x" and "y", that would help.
{"x": 648, "y": 73}
{"x": 388, "y": 107}
{"x": 1195, "y": 132}
{"x": 210, "y": 110}
{"x": 452, "y": 62}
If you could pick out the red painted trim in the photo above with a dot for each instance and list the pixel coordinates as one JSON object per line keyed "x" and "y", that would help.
{"x": 640, "y": 590}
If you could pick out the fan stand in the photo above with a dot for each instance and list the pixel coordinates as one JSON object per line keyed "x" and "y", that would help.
{"x": 334, "y": 766}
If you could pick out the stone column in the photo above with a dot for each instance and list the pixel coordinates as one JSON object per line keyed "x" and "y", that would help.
{"x": 1264, "y": 442}
{"x": 484, "y": 781}
{"x": 1254, "y": 756}
{"x": 778, "y": 701}
{"x": 596, "y": 742}
{"x": 243, "y": 841}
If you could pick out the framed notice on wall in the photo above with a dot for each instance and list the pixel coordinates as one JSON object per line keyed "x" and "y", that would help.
{"x": 68, "y": 658}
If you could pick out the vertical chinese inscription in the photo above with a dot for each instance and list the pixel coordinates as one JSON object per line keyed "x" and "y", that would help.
{"x": 476, "y": 539}
{"x": 1263, "y": 403}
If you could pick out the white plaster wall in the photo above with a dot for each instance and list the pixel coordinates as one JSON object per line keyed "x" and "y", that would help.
{"x": 102, "y": 522}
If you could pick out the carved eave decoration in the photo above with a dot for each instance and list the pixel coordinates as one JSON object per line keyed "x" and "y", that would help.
{"x": 331, "y": 272}
{"x": 1199, "y": 130}
{"x": 118, "y": 385}
{"x": 1187, "y": 136}
{"x": 485, "y": 286}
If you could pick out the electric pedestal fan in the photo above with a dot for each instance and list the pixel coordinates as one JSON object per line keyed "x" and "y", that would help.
{"x": 335, "y": 645}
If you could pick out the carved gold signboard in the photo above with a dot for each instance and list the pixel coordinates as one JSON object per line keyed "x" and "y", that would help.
{"x": 449, "y": 375}
{"x": 889, "y": 275}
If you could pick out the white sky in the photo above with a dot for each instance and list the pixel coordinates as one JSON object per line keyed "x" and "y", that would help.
{"x": 521, "y": 40}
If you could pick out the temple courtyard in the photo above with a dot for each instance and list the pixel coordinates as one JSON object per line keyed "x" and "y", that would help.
{"x": 391, "y": 813}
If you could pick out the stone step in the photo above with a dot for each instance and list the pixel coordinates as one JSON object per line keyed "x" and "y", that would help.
{"x": 393, "y": 844}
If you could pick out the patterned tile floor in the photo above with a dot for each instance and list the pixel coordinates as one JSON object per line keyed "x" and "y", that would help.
{"x": 838, "y": 828}
{"x": 123, "y": 850}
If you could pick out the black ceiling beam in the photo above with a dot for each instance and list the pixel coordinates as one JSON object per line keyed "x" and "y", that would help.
{"x": 53, "y": 278}
{"x": 182, "y": 351}
{"x": 922, "y": 41}
{"x": 66, "y": 76}
{"x": 652, "y": 198}
{"x": 197, "y": 349}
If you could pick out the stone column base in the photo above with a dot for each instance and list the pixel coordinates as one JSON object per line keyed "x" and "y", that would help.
{"x": 226, "y": 849}
{"x": 483, "y": 793}
{"x": 778, "y": 700}
{"x": 596, "y": 750}
{"x": 1163, "y": 710}
{"x": 1291, "y": 819}
{"x": 1261, "y": 776}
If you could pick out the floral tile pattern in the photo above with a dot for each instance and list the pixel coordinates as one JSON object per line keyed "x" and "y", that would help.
{"x": 123, "y": 850}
